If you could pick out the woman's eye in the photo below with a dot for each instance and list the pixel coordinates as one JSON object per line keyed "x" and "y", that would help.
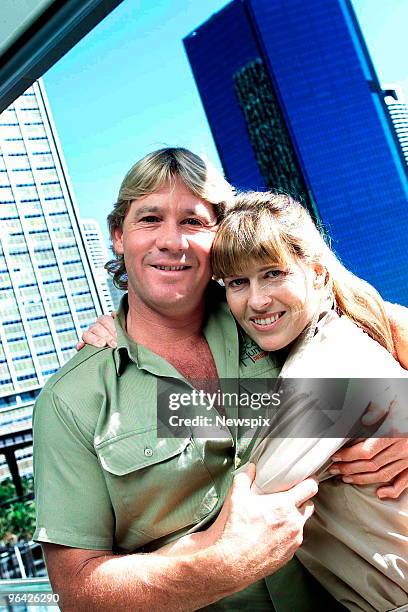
{"x": 275, "y": 273}
{"x": 236, "y": 282}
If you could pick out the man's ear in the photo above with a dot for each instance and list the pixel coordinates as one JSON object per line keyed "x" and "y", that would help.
{"x": 117, "y": 240}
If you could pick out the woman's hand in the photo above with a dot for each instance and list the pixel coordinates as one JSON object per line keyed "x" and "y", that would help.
{"x": 383, "y": 459}
{"x": 375, "y": 460}
{"x": 101, "y": 333}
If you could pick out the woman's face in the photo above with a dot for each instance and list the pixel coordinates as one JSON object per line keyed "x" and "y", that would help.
{"x": 274, "y": 304}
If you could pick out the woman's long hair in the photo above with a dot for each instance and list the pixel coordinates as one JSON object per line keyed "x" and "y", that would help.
{"x": 274, "y": 228}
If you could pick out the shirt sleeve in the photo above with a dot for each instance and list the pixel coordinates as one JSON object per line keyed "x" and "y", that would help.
{"x": 73, "y": 506}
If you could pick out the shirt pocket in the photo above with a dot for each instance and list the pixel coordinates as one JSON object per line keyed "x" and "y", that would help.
{"x": 161, "y": 485}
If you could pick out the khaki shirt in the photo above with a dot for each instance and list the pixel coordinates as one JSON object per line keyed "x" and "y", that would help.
{"x": 104, "y": 480}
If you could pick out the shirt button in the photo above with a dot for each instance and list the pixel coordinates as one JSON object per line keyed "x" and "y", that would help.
{"x": 237, "y": 462}
{"x": 148, "y": 451}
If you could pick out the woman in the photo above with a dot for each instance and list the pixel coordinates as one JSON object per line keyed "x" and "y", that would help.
{"x": 290, "y": 294}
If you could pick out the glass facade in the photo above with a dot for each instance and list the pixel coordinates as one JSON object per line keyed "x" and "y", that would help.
{"x": 47, "y": 293}
{"x": 267, "y": 132}
{"x": 345, "y": 149}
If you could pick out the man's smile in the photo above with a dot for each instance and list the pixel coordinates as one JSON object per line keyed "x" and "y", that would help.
{"x": 170, "y": 268}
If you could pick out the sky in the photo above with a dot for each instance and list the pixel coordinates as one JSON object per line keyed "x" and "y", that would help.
{"x": 127, "y": 88}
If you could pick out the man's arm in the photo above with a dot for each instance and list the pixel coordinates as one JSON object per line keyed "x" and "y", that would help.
{"x": 103, "y": 333}
{"x": 365, "y": 462}
{"x": 97, "y": 580}
{"x": 255, "y": 536}
{"x": 373, "y": 461}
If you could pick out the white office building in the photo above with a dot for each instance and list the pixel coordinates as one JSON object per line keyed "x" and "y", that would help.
{"x": 47, "y": 292}
{"x": 98, "y": 256}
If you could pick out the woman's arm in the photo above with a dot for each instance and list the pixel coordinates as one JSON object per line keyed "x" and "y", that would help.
{"x": 380, "y": 460}
{"x": 398, "y": 317}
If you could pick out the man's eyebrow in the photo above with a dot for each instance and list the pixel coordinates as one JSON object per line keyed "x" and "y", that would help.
{"x": 193, "y": 211}
{"x": 142, "y": 210}
{"x": 147, "y": 209}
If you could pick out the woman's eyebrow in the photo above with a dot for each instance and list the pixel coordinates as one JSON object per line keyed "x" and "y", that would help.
{"x": 271, "y": 266}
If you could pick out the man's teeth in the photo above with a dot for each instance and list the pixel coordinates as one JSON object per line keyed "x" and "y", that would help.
{"x": 171, "y": 267}
{"x": 269, "y": 320}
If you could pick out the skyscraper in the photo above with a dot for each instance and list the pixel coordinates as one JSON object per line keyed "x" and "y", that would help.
{"x": 398, "y": 110}
{"x": 47, "y": 293}
{"x": 98, "y": 255}
{"x": 294, "y": 103}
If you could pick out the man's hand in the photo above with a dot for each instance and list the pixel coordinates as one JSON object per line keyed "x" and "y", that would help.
{"x": 398, "y": 318}
{"x": 101, "y": 333}
{"x": 263, "y": 530}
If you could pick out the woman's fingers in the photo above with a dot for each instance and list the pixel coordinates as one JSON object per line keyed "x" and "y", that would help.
{"x": 399, "y": 485}
{"x": 376, "y": 460}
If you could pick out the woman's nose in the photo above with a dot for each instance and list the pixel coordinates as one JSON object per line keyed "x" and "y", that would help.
{"x": 259, "y": 297}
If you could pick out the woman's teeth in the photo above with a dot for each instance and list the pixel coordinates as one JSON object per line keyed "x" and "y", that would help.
{"x": 268, "y": 320}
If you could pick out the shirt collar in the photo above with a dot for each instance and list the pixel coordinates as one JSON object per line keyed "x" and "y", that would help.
{"x": 126, "y": 349}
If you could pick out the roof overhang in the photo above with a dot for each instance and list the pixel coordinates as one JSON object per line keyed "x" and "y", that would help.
{"x": 34, "y": 34}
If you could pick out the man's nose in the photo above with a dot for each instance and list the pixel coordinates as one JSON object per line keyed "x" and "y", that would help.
{"x": 171, "y": 238}
{"x": 259, "y": 297}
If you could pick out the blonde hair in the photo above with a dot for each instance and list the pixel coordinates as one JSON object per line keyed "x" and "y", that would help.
{"x": 275, "y": 228}
{"x": 154, "y": 171}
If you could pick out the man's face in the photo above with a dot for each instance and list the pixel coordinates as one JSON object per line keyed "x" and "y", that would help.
{"x": 166, "y": 241}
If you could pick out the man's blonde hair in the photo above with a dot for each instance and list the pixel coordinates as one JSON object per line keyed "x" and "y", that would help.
{"x": 156, "y": 170}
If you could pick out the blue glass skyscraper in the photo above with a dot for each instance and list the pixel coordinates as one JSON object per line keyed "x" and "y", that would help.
{"x": 294, "y": 103}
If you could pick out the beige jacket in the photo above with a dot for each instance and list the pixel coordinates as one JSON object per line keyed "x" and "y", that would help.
{"x": 355, "y": 544}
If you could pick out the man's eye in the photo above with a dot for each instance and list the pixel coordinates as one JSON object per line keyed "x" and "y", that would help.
{"x": 192, "y": 221}
{"x": 149, "y": 219}
{"x": 236, "y": 282}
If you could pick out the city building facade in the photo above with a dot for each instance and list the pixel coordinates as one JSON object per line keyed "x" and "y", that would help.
{"x": 47, "y": 292}
{"x": 398, "y": 110}
{"x": 294, "y": 104}
{"x": 98, "y": 255}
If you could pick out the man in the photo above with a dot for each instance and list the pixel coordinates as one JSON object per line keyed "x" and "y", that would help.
{"x": 110, "y": 494}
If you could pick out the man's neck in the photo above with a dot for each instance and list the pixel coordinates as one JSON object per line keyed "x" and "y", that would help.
{"x": 158, "y": 330}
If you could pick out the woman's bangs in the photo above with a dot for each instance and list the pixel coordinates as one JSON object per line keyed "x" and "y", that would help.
{"x": 245, "y": 241}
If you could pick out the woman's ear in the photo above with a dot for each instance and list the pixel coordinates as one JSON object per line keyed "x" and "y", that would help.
{"x": 321, "y": 276}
